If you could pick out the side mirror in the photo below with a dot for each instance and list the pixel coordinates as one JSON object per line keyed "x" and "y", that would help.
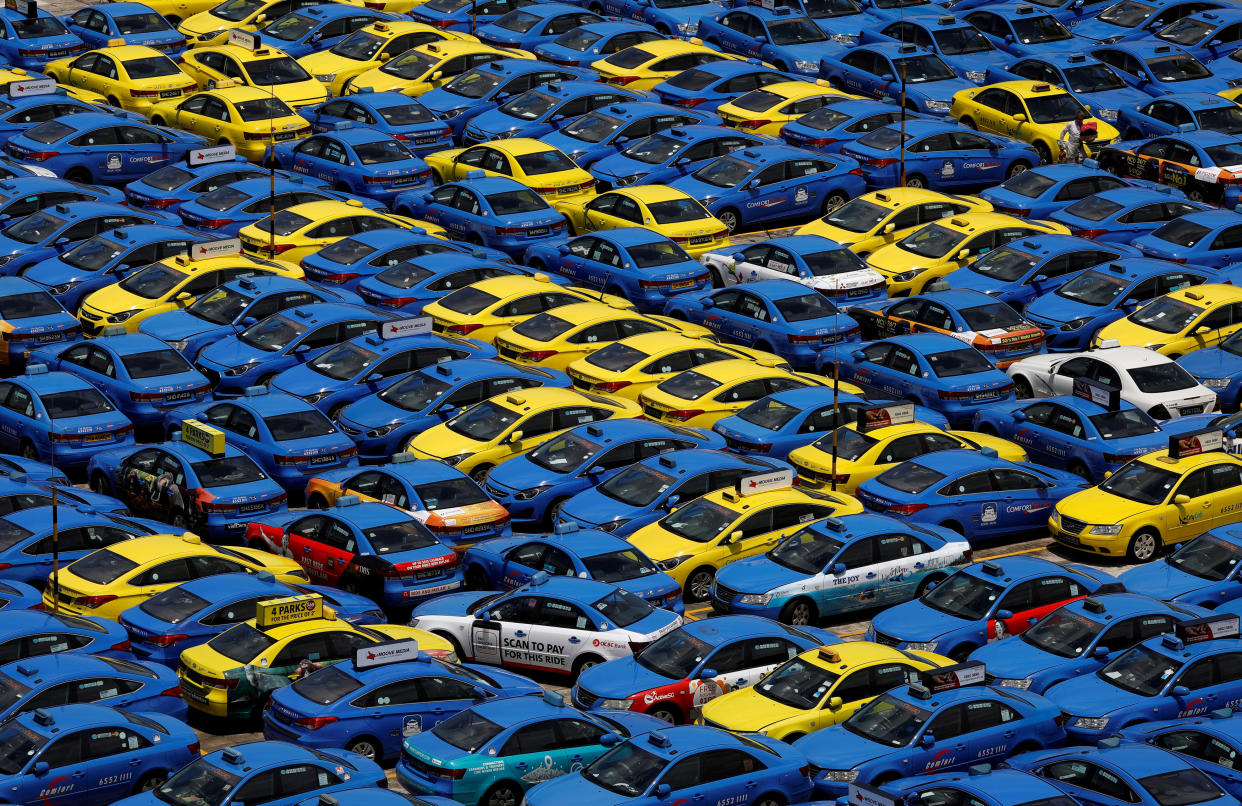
{"x": 41, "y": 768}
{"x": 736, "y": 534}
{"x": 663, "y": 791}
{"x": 1008, "y": 39}
{"x": 478, "y": 693}
{"x": 609, "y": 739}
{"x": 385, "y": 57}
{"x": 738, "y": 257}
{"x": 671, "y": 502}
{"x": 1020, "y": 117}
{"x": 1100, "y": 652}
{"x": 889, "y": 228}
{"x": 835, "y": 703}
{"x": 680, "y": 161}
{"x": 963, "y": 254}
{"x": 563, "y": 249}
{"x": 858, "y": 355}
{"x": 183, "y": 296}
{"x": 514, "y": 438}
{"x": 1004, "y": 615}
{"x": 1181, "y": 499}
{"x": 248, "y": 321}
{"x": 437, "y": 75}
{"x": 1179, "y": 691}
{"x": 375, "y": 378}
{"x": 1018, "y": 416}
{"x": 926, "y": 740}
{"x": 888, "y": 78}
{"x": 707, "y": 674}
{"x": 260, "y": 18}
{"x": 708, "y": 302}
{"x": 1214, "y": 43}
{"x": 1039, "y": 278}
{"x": 754, "y": 183}
{"x": 1130, "y": 303}
{"x": 1108, "y": 474}
{"x": 838, "y": 569}
{"x": 595, "y": 471}
{"x": 481, "y": 616}
{"x": 428, "y": 198}
{"x": 761, "y": 39}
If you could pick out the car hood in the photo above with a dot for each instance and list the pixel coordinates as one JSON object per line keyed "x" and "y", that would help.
{"x": 302, "y": 380}
{"x": 371, "y": 412}
{"x": 1055, "y": 308}
{"x": 176, "y": 326}
{"x": 1211, "y": 362}
{"x": 591, "y": 507}
{"x": 1113, "y": 100}
{"x": 757, "y": 575}
{"x": 1089, "y": 696}
{"x": 1015, "y": 658}
{"x": 915, "y": 621}
{"x": 1160, "y": 580}
{"x": 573, "y": 788}
{"x": 450, "y": 604}
{"x": 620, "y": 678}
{"x": 835, "y": 748}
{"x": 494, "y": 121}
{"x": 230, "y": 352}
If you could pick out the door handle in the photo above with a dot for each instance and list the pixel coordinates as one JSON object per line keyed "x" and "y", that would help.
{"x": 519, "y": 634}
{"x": 575, "y": 640}
{"x": 134, "y": 762}
{"x": 919, "y": 565}
{"x": 741, "y": 681}
{"x": 871, "y": 575}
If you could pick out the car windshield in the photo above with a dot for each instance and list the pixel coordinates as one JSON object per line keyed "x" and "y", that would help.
{"x": 298, "y": 425}
{"x": 1124, "y": 423}
{"x": 273, "y": 72}
{"x": 563, "y": 454}
{"x": 768, "y": 413}
{"x": 623, "y": 607}
{"x": 963, "y": 595}
{"x": 466, "y": 730}
{"x": 468, "y": 300}
{"x": 885, "y": 138}
{"x": 405, "y": 114}
{"x": 859, "y": 215}
{"x": 851, "y": 445}
{"x": 411, "y": 64}
{"x": 1227, "y": 119}
{"x": 593, "y": 127}
{"x": 1060, "y": 108}
{"x": 220, "y": 307}
{"x": 544, "y": 162}
{"x": 360, "y": 46}
{"x": 518, "y": 21}
{"x": 579, "y": 39}
{"x": 1063, "y": 633}
{"x": 543, "y": 327}
{"x": 78, "y": 403}
{"x": 689, "y": 385}
{"x": 446, "y": 6}
{"x": 263, "y": 109}
{"x": 155, "y": 364}
{"x": 796, "y": 31}
{"x": 344, "y": 361}
{"x": 657, "y": 253}
{"x": 619, "y": 566}
{"x": 1006, "y": 264}
{"x": 49, "y": 132}
{"x": 1182, "y": 232}
{"x": 626, "y": 769}
{"x": 1127, "y": 14}
{"x": 1177, "y": 67}
{"x": 530, "y": 105}
{"x": 379, "y": 152}
{"x": 415, "y": 392}
{"x": 11, "y": 691}
{"x": 833, "y": 262}
{"x": 272, "y": 334}
{"x": 151, "y": 67}
{"x": 820, "y": 9}
{"x": 654, "y": 150}
{"x": 1094, "y": 288}
{"x": 221, "y": 198}
{"x": 1139, "y": 481}
{"x": 291, "y": 27}
{"x": 404, "y": 275}
{"x": 700, "y": 521}
{"x": 675, "y": 655}
{"x": 910, "y": 477}
{"x": 393, "y": 538}
{"x": 241, "y": 643}
{"x": 1142, "y": 671}
{"x": 93, "y": 254}
{"x": 1028, "y": 184}
{"x": 1033, "y": 30}
{"x": 677, "y": 211}
{"x": 35, "y": 228}
{"x": 922, "y": 69}
{"x": 1226, "y": 154}
{"x": 168, "y": 178}
{"x": 199, "y": 783}
{"x": 726, "y": 172}
{"x": 1166, "y": 315}
{"x": 1207, "y": 557}
{"x": 284, "y": 223}
{"x": 174, "y": 605}
{"x": 888, "y": 720}
{"x": 1181, "y": 787}
{"x": 1168, "y": 377}
{"x": 26, "y": 306}
{"x": 932, "y": 241}
{"x": 236, "y": 10}
{"x": 326, "y": 686}
{"x": 955, "y": 363}
{"x": 154, "y": 281}
{"x": 11, "y": 534}
{"x": 18, "y": 745}
{"x": 806, "y": 307}
{"x": 149, "y": 23}
{"x": 512, "y": 202}
{"x": 637, "y": 486}
{"x": 483, "y": 422}
{"x": 1094, "y": 208}
{"x": 616, "y": 357}
{"x": 449, "y": 492}
{"x": 1187, "y": 31}
{"x": 102, "y": 567}
{"x": 226, "y": 471}
{"x": 797, "y": 684}
{"x": 806, "y": 551}
{"x": 959, "y": 41}
{"x": 1093, "y": 78}
{"x": 38, "y": 27}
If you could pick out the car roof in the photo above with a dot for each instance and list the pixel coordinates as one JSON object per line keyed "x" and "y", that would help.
{"x": 18, "y": 285}
{"x": 471, "y": 369}
{"x": 631, "y": 236}
{"x": 799, "y": 244}
{"x": 921, "y": 128}
{"x": 1144, "y": 47}
{"x": 729, "y": 627}
{"x": 41, "y": 668}
{"x": 268, "y": 403}
{"x": 1015, "y": 568}
{"x": 366, "y": 514}
{"x": 924, "y": 343}
{"x": 85, "y": 120}
{"x": 509, "y": 711}
{"x": 684, "y": 739}
{"x": 260, "y": 753}
{"x": 959, "y": 297}
{"x": 692, "y": 461}
{"x": 1053, "y": 243}
{"x": 582, "y": 590}
{"x": 316, "y": 313}
{"x": 489, "y": 184}
{"x": 1133, "y": 197}
{"x": 777, "y": 289}
{"x": 958, "y": 461}
{"x": 55, "y": 381}
{"x": 130, "y": 343}
{"x": 39, "y": 519}
{"x": 580, "y": 543}
{"x": 236, "y": 584}
{"x": 1214, "y": 218}
{"x": 1118, "y": 605}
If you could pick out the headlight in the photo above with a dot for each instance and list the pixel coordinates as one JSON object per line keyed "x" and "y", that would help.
{"x": 6, "y": 259}
{"x": 413, "y": 622}
{"x": 1108, "y": 114}
{"x": 923, "y": 646}
{"x": 233, "y": 372}
{"x": 1077, "y": 323}
{"x": 452, "y": 113}
{"x": 326, "y": 78}
{"x": 176, "y": 345}
{"x": 616, "y": 705}
{"x": 687, "y": 27}
{"x": 840, "y": 776}
{"x": 906, "y": 276}
{"x": 843, "y": 39}
{"x": 937, "y": 106}
{"x": 532, "y": 492}
{"x": 1015, "y": 682}
{"x": 458, "y": 459}
{"x": 62, "y": 288}
{"x": 804, "y": 65}
{"x": 382, "y": 431}
{"x": 1114, "y": 529}
{"x": 121, "y": 317}
{"x": 613, "y": 526}
{"x": 671, "y": 563}
{"x": 1090, "y": 722}
{"x": 1215, "y": 383}
{"x": 755, "y": 598}
{"x": 315, "y": 398}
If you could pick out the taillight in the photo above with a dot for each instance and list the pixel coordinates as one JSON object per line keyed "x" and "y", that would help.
{"x": 795, "y": 339}
{"x": 682, "y": 415}
{"x": 39, "y": 156}
{"x": 275, "y": 249}
{"x": 145, "y": 396}
{"x": 610, "y": 386}
{"x": 905, "y": 509}
{"x": 441, "y": 23}
{"x": 315, "y": 722}
{"x": 215, "y": 223}
{"x": 752, "y": 124}
{"x": 161, "y": 204}
{"x": 339, "y": 278}
{"x": 1089, "y": 233}
{"x": 947, "y": 395}
{"x": 820, "y": 142}
{"x": 622, "y": 80}
{"x": 881, "y": 163}
{"x": 638, "y": 646}
{"x": 537, "y": 355}
{"x": 144, "y": 93}
{"x": 166, "y": 640}
{"x": 94, "y": 601}
{"x": 510, "y": 230}
{"x": 124, "y": 646}
{"x": 396, "y": 302}
{"x": 689, "y": 102}
{"x": 195, "y": 749}
{"x": 175, "y": 691}
{"x": 462, "y": 330}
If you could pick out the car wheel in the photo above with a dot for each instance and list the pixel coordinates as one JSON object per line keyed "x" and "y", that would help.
{"x": 770, "y": 800}
{"x": 476, "y": 579}
{"x": 717, "y": 280}
{"x": 150, "y": 781}
{"x": 502, "y": 794}
{"x": 1194, "y": 194}
{"x": 335, "y": 412}
{"x": 29, "y": 451}
{"x": 79, "y": 175}
{"x": 962, "y": 652}
{"x": 952, "y": 526}
{"x": 1045, "y": 156}
{"x": 836, "y": 198}
{"x": 699, "y": 584}
{"x": 317, "y": 501}
{"x": 479, "y": 474}
{"x": 1080, "y": 470}
{"x": 916, "y": 181}
{"x": 666, "y": 712}
{"x": 1143, "y": 546}
{"x": 968, "y": 123}
{"x": 366, "y": 747}
{"x": 554, "y": 511}
{"x": 474, "y": 238}
{"x": 1018, "y": 167}
{"x": 730, "y": 218}
{"x": 586, "y": 662}
{"x": 1022, "y": 388}
{"x": 99, "y": 484}
{"x": 799, "y": 613}
{"x": 158, "y": 121}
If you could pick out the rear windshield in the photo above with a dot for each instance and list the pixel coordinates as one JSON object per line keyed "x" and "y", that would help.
{"x": 102, "y": 567}
{"x": 241, "y": 642}
{"x": 326, "y": 686}
{"x": 173, "y": 605}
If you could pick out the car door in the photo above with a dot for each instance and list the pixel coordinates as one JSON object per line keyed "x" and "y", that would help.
{"x": 713, "y": 776}
{"x": 533, "y": 752}
{"x": 1032, "y": 600}
{"x": 1212, "y": 683}
{"x": 562, "y": 630}
{"x": 1221, "y": 761}
{"x": 898, "y": 562}
{"x": 870, "y": 369}
{"x": 1023, "y": 499}
{"x": 1089, "y": 783}
{"x": 1192, "y": 508}
{"x": 858, "y": 687}
{"x": 503, "y": 637}
{"x": 333, "y": 550}
{"x": 68, "y": 772}
{"x": 521, "y": 563}
{"x": 766, "y": 200}
{"x": 936, "y": 157}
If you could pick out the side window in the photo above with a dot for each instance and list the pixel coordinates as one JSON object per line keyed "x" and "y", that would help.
{"x": 948, "y": 724}
{"x": 537, "y": 738}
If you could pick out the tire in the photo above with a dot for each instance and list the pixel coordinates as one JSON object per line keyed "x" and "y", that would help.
{"x": 476, "y": 580}
{"x": 479, "y": 474}
{"x": 335, "y": 412}
{"x": 1195, "y": 194}
{"x": 505, "y": 793}
{"x": 784, "y": 68}
{"x": 150, "y": 781}
{"x": 836, "y": 198}
{"x": 1018, "y": 167}
{"x": 436, "y": 178}
{"x": 100, "y": 484}
{"x": 367, "y": 747}
{"x": 452, "y": 642}
{"x": 266, "y": 380}
{"x": 1080, "y": 470}
{"x": 836, "y": 84}
{"x": 29, "y": 451}
{"x": 174, "y": 19}
{"x": 1144, "y": 546}
{"x": 763, "y": 345}
{"x": 669, "y": 713}
{"x": 792, "y": 737}
{"x": 473, "y": 238}
{"x": 987, "y": 428}
{"x": 799, "y": 613}
{"x": 730, "y": 217}
{"x": 968, "y": 123}
{"x": 317, "y": 501}
{"x": 112, "y": 101}
{"x": 158, "y": 121}
{"x": 770, "y": 799}
{"x": 597, "y": 9}
{"x": 962, "y": 652}
{"x": 586, "y": 662}
{"x": 1045, "y": 156}
{"x": 663, "y": 30}
{"x": 257, "y": 545}
{"x": 952, "y": 526}
{"x": 885, "y": 778}
{"x": 916, "y": 181}
{"x": 537, "y": 266}
{"x": 80, "y": 175}
{"x": 1022, "y": 388}
{"x": 554, "y": 511}
{"x": 717, "y": 280}
{"x": 699, "y": 584}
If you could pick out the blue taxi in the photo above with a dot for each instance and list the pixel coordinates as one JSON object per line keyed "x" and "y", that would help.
{"x": 533, "y": 25}
{"x": 709, "y": 85}
{"x": 1024, "y": 29}
{"x": 345, "y": 262}
{"x": 413, "y": 283}
{"x": 58, "y": 417}
{"x": 49, "y": 232}
{"x": 362, "y": 161}
{"x": 668, "y": 154}
{"x": 982, "y": 784}
{"x": 1200, "y": 238}
{"x": 29, "y": 110}
{"x": 601, "y": 132}
{"x": 64, "y": 678}
{"x": 489, "y": 211}
{"x": 316, "y": 28}
{"x": 588, "y": 43}
{"x": 1210, "y": 743}
{"x": 830, "y": 128}
{"x": 542, "y": 109}
{"x": 485, "y": 86}
{"x": 939, "y": 155}
{"x": 1179, "y": 113}
{"x": 1218, "y": 368}
{"x": 28, "y": 555}
{"x": 15, "y": 596}
{"x": 1202, "y": 571}
{"x": 202, "y": 171}
{"x": 878, "y": 70}
{"x": 134, "y": 23}
{"x": 391, "y": 112}
{"x": 1120, "y": 216}
{"x": 1095, "y": 84}
{"x": 224, "y": 210}
{"x": 22, "y": 196}
{"x": 962, "y": 45}
{"x": 30, "y": 634}
{"x": 1044, "y": 189}
{"x": 33, "y": 37}
{"x": 29, "y": 317}
{"x": 680, "y": 19}
{"x": 780, "y": 36}
{"x": 1158, "y": 68}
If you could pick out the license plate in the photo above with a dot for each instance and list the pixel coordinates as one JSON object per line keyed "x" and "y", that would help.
{"x": 478, "y": 528}
{"x": 858, "y": 292}
{"x": 570, "y": 189}
{"x": 56, "y": 54}
{"x": 1191, "y": 410}
{"x": 1073, "y": 541}
{"x": 193, "y": 695}
{"x": 46, "y": 337}
{"x": 255, "y": 507}
{"x": 986, "y": 395}
{"x": 323, "y": 460}
{"x": 537, "y": 231}
{"x": 285, "y": 135}
{"x": 700, "y": 239}
{"x": 404, "y": 180}
{"x": 422, "y": 141}
{"x": 682, "y": 284}
{"x": 170, "y": 93}
{"x": 97, "y": 437}
{"x": 173, "y": 397}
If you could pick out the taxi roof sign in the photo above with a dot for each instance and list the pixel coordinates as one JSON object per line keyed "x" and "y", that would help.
{"x": 950, "y": 677}
{"x": 1205, "y": 629}
{"x": 206, "y": 250}
{"x": 368, "y": 657}
{"x": 203, "y": 437}
{"x": 288, "y": 610}
{"x": 1197, "y": 442}
{"x": 418, "y": 326}
{"x": 1108, "y": 397}
{"x": 28, "y": 7}
{"x": 829, "y": 654}
{"x": 884, "y": 415}
{"x": 206, "y": 156}
{"x": 244, "y": 39}
{"x": 34, "y": 86}
{"x": 765, "y": 482}
{"x": 864, "y": 795}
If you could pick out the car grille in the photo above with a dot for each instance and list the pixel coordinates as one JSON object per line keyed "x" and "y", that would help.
{"x": 886, "y": 640}
{"x": 1072, "y": 525}
{"x": 724, "y": 594}
{"x": 423, "y": 767}
{"x": 584, "y": 698}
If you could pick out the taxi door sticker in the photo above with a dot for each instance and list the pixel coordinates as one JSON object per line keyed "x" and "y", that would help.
{"x": 411, "y": 725}
{"x": 704, "y": 691}
{"x": 544, "y": 772}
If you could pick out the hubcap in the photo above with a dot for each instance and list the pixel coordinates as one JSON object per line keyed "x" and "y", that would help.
{"x": 701, "y": 585}
{"x": 365, "y": 749}
{"x": 1144, "y": 546}
{"x": 801, "y": 614}
{"x": 729, "y": 220}
{"x": 504, "y": 797}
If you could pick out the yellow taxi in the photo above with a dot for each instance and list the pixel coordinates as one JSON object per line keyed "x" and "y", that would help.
{"x": 212, "y": 26}
{"x": 429, "y": 66}
{"x": 264, "y": 67}
{"x": 554, "y": 339}
{"x": 697, "y": 539}
{"x": 370, "y": 47}
{"x": 935, "y": 249}
{"x": 232, "y": 674}
{"x": 672, "y": 213}
{"x": 246, "y": 118}
{"x": 108, "y": 581}
{"x": 304, "y": 229}
{"x": 171, "y": 284}
{"x": 177, "y": 10}
{"x": 1181, "y": 322}
{"x": 819, "y": 688}
{"x": 631, "y": 366}
{"x": 389, "y": 6}
{"x": 504, "y": 426}
{"x": 1156, "y": 500}
{"x": 882, "y": 217}
{"x": 641, "y": 67}
{"x": 131, "y": 77}
{"x": 701, "y": 396}
{"x": 482, "y": 310}
{"x": 768, "y": 109}
{"x": 542, "y": 168}
{"x": 1044, "y": 111}
{"x": 865, "y": 455}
